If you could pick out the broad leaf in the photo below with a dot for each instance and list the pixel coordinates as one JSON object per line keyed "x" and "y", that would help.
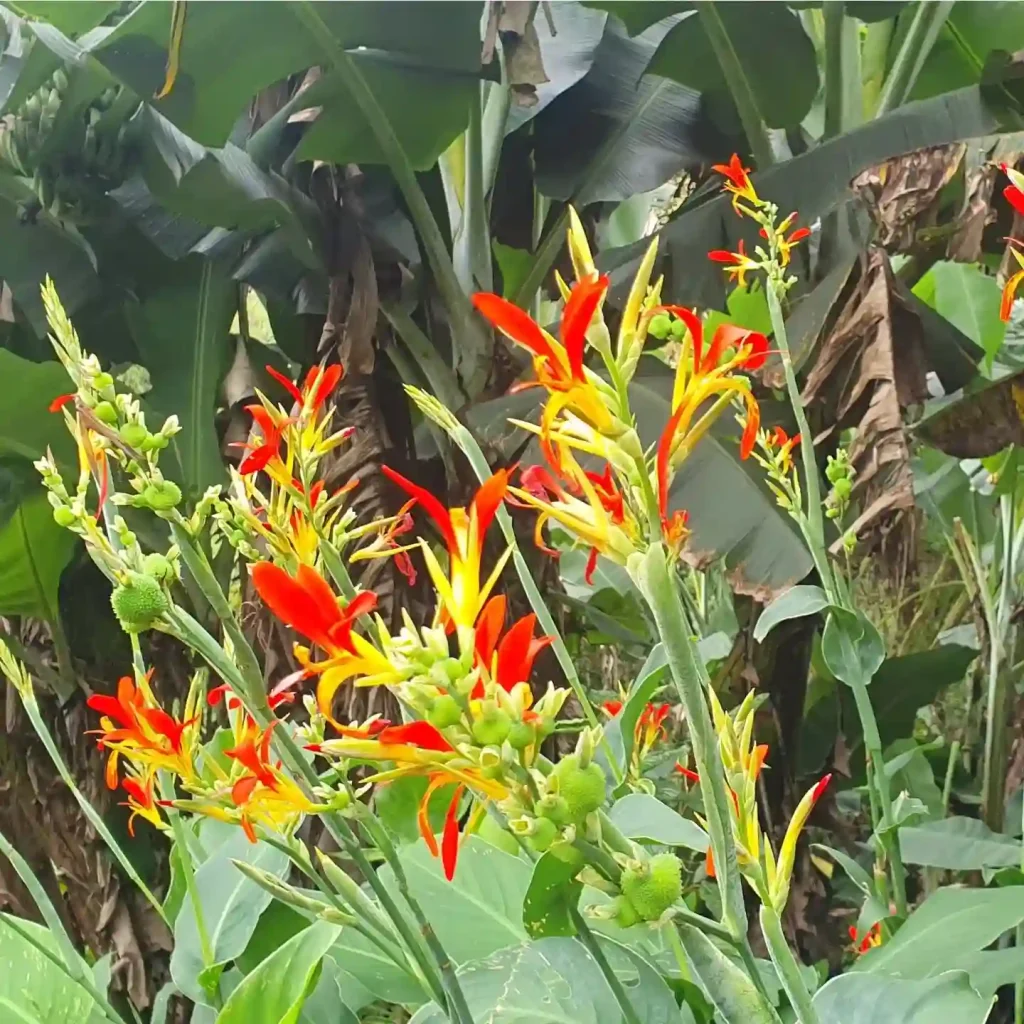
{"x": 34, "y": 990}
{"x": 182, "y": 332}
{"x": 480, "y": 910}
{"x": 851, "y": 647}
{"x": 365, "y": 969}
{"x": 873, "y": 999}
{"x": 644, "y": 817}
{"x": 33, "y": 553}
{"x": 958, "y": 844}
{"x": 794, "y": 603}
{"x": 275, "y": 991}
{"x": 950, "y": 925}
{"x": 552, "y": 893}
{"x": 733, "y": 994}
{"x": 27, "y": 427}
{"x": 231, "y": 906}
{"x": 420, "y": 61}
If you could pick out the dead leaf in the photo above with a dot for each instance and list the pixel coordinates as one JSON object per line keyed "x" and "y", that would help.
{"x": 524, "y": 63}
{"x": 901, "y": 193}
{"x": 870, "y": 368}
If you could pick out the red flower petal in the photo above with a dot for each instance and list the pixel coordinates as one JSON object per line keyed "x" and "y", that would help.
{"x": 579, "y": 311}
{"x": 430, "y": 504}
{"x": 450, "y": 837}
{"x": 488, "y": 628}
{"x": 415, "y": 734}
{"x": 60, "y": 401}
{"x": 517, "y": 324}
{"x": 285, "y": 382}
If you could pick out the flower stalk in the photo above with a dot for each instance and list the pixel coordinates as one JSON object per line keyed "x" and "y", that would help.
{"x": 786, "y": 966}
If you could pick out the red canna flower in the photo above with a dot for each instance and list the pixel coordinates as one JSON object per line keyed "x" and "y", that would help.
{"x": 739, "y": 263}
{"x": 269, "y": 448}
{"x": 509, "y": 661}
{"x": 1013, "y": 282}
{"x": 307, "y": 604}
{"x": 318, "y": 385}
{"x": 141, "y": 801}
{"x": 1014, "y": 192}
{"x": 869, "y": 940}
{"x": 738, "y": 183}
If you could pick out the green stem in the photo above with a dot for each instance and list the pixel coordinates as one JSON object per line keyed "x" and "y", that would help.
{"x": 465, "y": 325}
{"x": 587, "y": 937}
{"x": 815, "y": 519}
{"x": 929, "y": 17}
{"x": 834, "y": 15}
{"x": 70, "y": 961}
{"x": 786, "y": 967}
{"x": 739, "y": 85}
{"x": 443, "y": 382}
{"x": 660, "y": 590}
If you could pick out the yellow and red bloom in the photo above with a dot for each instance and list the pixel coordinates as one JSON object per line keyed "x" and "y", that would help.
{"x": 738, "y": 183}
{"x": 461, "y": 592}
{"x": 134, "y": 725}
{"x": 508, "y": 661}
{"x": 869, "y": 940}
{"x": 142, "y": 801}
{"x": 647, "y": 732}
{"x": 307, "y": 603}
{"x": 786, "y": 242}
{"x": 1013, "y": 281}
{"x": 739, "y": 263}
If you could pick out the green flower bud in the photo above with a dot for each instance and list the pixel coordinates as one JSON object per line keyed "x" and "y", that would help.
{"x": 139, "y": 602}
{"x": 653, "y": 887}
{"x": 157, "y": 566}
{"x": 678, "y": 330}
{"x": 660, "y": 326}
{"x": 444, "y": 712}
{"x": 843, "y": 488}
{"x": 583, "y": 789}
{"x": 102, "y": 381}
{"x": 492, "y": 727}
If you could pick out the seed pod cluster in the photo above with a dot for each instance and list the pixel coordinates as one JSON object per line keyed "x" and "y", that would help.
{"x": 73, "y": 157}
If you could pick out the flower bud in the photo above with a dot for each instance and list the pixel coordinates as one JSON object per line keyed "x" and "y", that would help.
{"x": 444, "y": 712}
{"x": 653, "y": 887}
{"x": 493, "y": 725}
{"x": 582, "y": 787}
{"x": 660, "y": 326}
{"x": 521, "y": 735}
{"x": 106, "y": 413}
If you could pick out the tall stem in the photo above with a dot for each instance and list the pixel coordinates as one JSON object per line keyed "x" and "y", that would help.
{"x": 660, "y": 590}
{"x": 929, "y": 17}
{"x": 739, "y": 85}
{"x": 786, "y": 967}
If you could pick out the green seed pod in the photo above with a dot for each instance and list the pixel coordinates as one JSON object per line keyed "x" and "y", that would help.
{"x": 521, "y": 735}
{"x": 106, "y": 413}
{"x": 583, "y": 789}
{"x": 553, "y": 807}
{"x": 652, "y": 888}
{"x": 158, "y": 566}
{"x": 63, "y": 516}
{"x": 678, "y": 330}
{"x": 544, "y": 833}
{"x": 444, "y": 712}
{"x": 492, "y": 727}
{"x": 843, "y": 487}
{"x": 138, "y": 603}
{"x": 625, "y": 913}
{"x": 660, "y": 326}
{"x": 133, "y": 434}
{"x": 162, "y": 497}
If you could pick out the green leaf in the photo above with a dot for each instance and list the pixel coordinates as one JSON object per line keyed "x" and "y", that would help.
{"x": 794, "y": 603}
{"x": 552, "y": 893}
{"x": 35, "y": 989}
{"x": 758, "y": 34}
{"x": 421, "y": 63}
{"x": 644, "y": 817}
{"x": 733, "y": 994}
{"x": 969, "y": 298}
{"x": 958, "y": 844}
{"x": 70, "y": 16}
{"x": 992, "y": 968}
{"x": 951, "y": 924}
{"x": 397, "y": 803}
{"x": 182, "y": 332}
{"x": 33, "y": 553}
{"x": 231, "y": 905}
{"x": 274, "y": 992}
{"x": 277, "y": 924}
{"x": 481, "y": 909}
{"x": 365, "y": 969}
{"x": 549, "y": 981}
{"x": 331, "y": 999}
{"x": 871, "y": 999}
{"x": 27, "y": 427}
{"x": 851, "y": 646}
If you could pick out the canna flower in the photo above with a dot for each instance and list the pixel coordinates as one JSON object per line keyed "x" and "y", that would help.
{"x": 133, "y": 725}
{"x": 738, "y": 184}
{"x": 740, "y": 264}
{"x": 599, "y": 518}
{"x": 419, "y": 749}
{"x": 142, "y": 801}
{"x": 648, "y": 731}
{"x": 307, "y": 604}
{"x": 461, "y": 593}
{"x": 1013, "y": 282}
{"x": 508, "y": 661}
{"x": 1014, "y": 192}
{"x": 871, "y": 939}
{"x": 558, "y": 366}
{"x": 786, "y": 242}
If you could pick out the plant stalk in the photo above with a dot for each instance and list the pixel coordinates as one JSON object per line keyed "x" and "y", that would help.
{"x": 589, "y": 939}
{"x": 739, "y": 85}
{"x": 659, "y": 588}
{"x": 834, "y": 92}
{"x": 786, "y": 966}
{"x": 929, "y": 17}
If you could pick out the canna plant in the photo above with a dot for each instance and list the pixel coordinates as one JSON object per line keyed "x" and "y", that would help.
{"x": 474, "y": 717}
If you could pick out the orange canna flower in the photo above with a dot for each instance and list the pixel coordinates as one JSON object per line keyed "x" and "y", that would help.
{"x": 649, "y": 727}
{"x": 142, "y": 801}
{"x": 463, "y": 529}
{"x": 135, "y": 726}
{"x": 738, "y": 183}
{"x": 316, "y": 388}
{"x": 871, "y": 939}
{"x": 784, "y": 242}
{"x": 740, "y": 263}
{"x": 510, "y": 660}
{"x": 307, "y": 604}
{"x": 1013, "y": 282}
